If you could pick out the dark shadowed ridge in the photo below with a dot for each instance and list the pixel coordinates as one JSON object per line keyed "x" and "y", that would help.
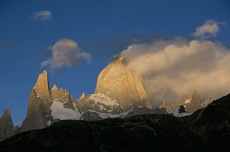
{"x": 206, "y": 130}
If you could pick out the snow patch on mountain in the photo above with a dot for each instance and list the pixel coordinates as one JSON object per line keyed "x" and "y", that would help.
{"x": 58, "y": 111}
{"x": 187, "y": 101}
{"x": 103, "y": 99}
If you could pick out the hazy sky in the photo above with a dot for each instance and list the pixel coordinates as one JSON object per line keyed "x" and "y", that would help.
{"x": 75, "y": 39}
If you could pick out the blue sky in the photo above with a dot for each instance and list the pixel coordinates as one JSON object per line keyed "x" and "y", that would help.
{"x": 102, "y": 29}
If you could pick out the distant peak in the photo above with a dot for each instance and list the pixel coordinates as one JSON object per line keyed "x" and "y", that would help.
{"x": 194, "y": 92}
{"x": 54, "y": 87}
{"x": 82, "y": 96}
{"x": 6, "y": 113}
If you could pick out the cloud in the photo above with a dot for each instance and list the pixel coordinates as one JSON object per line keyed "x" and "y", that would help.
{"x": 208, "y": 29}
{"x": 170, "y": 69}
{"x": 65, "y": 53}
{"x": 42, "y": 16}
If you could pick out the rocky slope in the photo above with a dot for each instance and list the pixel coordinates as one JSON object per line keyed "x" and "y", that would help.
{"x": 6, "y": 125}
{"x": 207, "y": 130}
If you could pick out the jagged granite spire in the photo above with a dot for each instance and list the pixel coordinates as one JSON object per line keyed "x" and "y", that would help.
{"x": 119, "y": 83}
{"x": 38, "y": 112}
{"x": 54, "y": 87}
{"x": 6, "y": 125}
{"x": 62, "y": 96}
{"x": 42, "y": 86}
{"x": 82, "y": 96}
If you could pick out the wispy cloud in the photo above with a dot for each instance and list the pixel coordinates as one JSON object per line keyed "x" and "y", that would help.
{"x": 208, "y": 29}
{"x": 171, "y": 68}
{"x": 42, "y": 16}
{"x": 65, "y": 53}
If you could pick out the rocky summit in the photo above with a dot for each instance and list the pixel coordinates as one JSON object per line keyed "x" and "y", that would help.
{"x": 39, "y": 113}
{"x": 191, "y": 102}
{"x": 118, "y": 92}
{"x": 6, "y": 125}
{"x": 119, "y": 83}
{"x": 207, "y": 130}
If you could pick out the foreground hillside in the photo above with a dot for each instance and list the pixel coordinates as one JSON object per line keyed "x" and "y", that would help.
{"x": 206, "y": 130}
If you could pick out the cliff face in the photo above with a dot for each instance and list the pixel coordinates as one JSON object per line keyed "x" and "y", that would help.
{"x": 6, "y": 125}
{"x": 40, "y": 101}
{"x": 119, "y": 83}
{"x": 38, "y": 112}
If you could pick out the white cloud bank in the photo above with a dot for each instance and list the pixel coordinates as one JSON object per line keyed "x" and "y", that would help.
{"x": 170, "y": 69}
{"x": 209, "y": 28}
{"x": 42, "y": 16}
{"x": 65, "y": 53}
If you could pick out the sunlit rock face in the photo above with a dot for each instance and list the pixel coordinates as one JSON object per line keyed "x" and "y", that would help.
{"x": 119, "y": 83}
{"x": 39, "y": 113}
{"x": 82, "y": 96}
{"x": 62, "y": 96}
{"x": 6, "y": 125}
{"x": 42, "y": 87}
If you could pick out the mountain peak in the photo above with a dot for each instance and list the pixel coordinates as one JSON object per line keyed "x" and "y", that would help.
{"x": 45, "y": 72}
{"x": 54, "y": 87}
{"x": 6, "y": 125}
{"x": 42, "y": 87}
{"x": 43, "y": 75}
{"x": 120, "y": 59}
{"x": 119, "y": 83}
{"x": 194, "y": 93}
{"x": 6, "y": 113}
{"x": 82, "y": 96}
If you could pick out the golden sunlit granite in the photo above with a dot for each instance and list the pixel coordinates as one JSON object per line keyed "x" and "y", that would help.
{"x": 119, "y": 83}
{"x": 62, "y": 96}
{"x": 42, "y": 86}
{"x": 41, "y": 99}
{"x": 82, "y": 96}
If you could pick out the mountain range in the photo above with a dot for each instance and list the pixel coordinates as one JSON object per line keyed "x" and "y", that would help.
{"x": 119, "y": 93}
{"x": 206, "y": 130}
